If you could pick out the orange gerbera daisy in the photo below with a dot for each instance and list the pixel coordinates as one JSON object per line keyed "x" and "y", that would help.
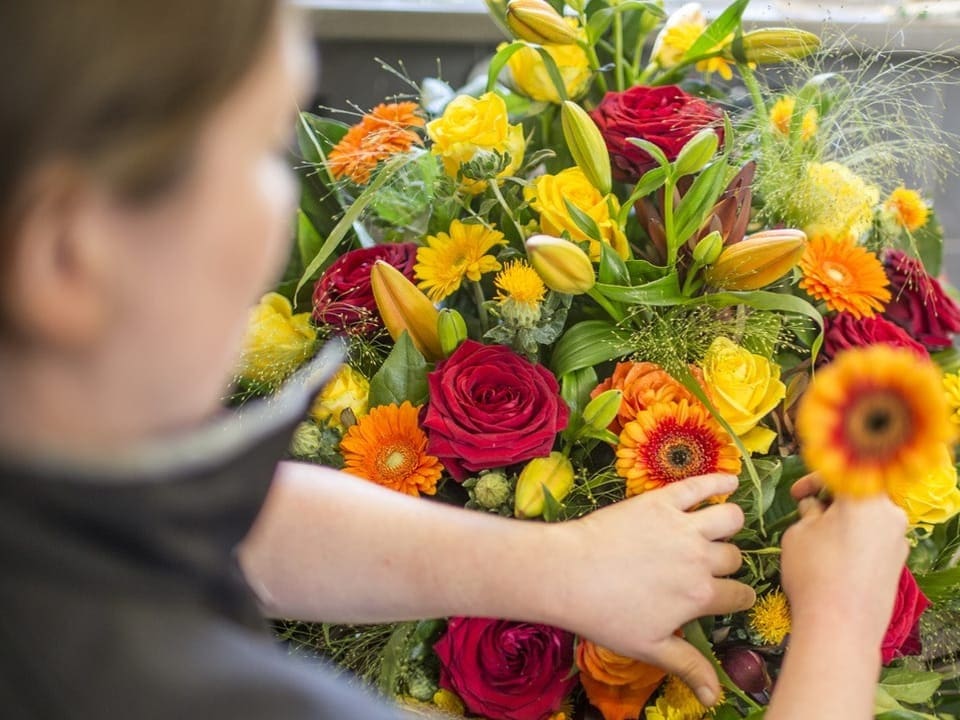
{"x": 388, "y": 447}
{"x": 672, "y": 441}
{"x": 873, "y": 416}
{"x": 382, "y": 133}
{"x": 848, "y": 277}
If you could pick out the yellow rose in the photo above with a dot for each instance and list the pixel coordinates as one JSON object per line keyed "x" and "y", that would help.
{"x": 530, "y": 76}
{"x": 832, "y": 200}
{"x": 743, "y": 387}
{"x": 472, "y": 126}
{"x": 549, "y": 195}
{"x": 277, "y": 342}
{"x": 930, "y": 501}
{"x": 347, "y": 390}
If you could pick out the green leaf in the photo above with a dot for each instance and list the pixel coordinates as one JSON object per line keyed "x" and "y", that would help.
{"x": 716, "y": 32}
{"x": 649, "y": 182}
{"x": 642, "y": 271}
{"x": 553, "y": 71}
{"x": 598, "y": 24}
{"x": 308, "y": 239}
{"x": 665, "y": 291}
{"x": 653, "y": 151}
{"x": 612, "y": 270}
{"x": 498, "y": 61}
{"x": 929, "y": 244}
{"x": 940, "y": 585}
{"x": 699, "y": 200}
{"x": 587, "y": 224}
{"x": 910, "y": 686}
{"x": 588, "y": 343}
{"x": 575, "y": 389}
{"x": 948, "y": 360}
{"x": 402, "y": 377}
{"x": 551, "y": 508}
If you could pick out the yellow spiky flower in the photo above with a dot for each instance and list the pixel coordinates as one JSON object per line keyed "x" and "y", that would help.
{"x": 770, "y": 617}
{"x": 907, "y": 209}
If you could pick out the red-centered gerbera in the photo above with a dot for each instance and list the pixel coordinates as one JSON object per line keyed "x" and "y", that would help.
{"x": 673, "y": 441}
{"x": 388, "y": 447}
{"x": 846, "y": 276}
{"x": 872, "y": 416}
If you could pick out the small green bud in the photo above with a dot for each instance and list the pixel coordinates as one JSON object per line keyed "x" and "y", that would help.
{"x": 587, "y": 145}
{"x": 775, "y": 45}
{"x": 600, "y": 412}
{"x": 306, "y": 440}
{"x": 452, "y": 330}
{"x": 698, "y": 151}
{"x": 492, "y": 490}
{"x": 708, "y": 249}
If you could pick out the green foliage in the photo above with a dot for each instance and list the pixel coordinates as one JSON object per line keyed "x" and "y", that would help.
{"x": 402, "y": 377}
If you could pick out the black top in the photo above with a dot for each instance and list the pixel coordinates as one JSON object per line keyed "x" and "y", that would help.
{"x": 121, "y": 595}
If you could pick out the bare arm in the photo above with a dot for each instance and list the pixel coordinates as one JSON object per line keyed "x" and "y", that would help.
{"x": 329, "y": 546}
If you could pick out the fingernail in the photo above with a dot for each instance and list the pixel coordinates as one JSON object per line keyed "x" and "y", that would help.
{"x": 707, "y": 696}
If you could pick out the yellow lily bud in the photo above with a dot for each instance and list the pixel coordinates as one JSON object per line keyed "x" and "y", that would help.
{"x": 758, "y": 260}
{"x": 537, "y": 22}
{"x": 600, "y": 412}
{"x": 773, "y": 45}
{"x": 561, "y": 265}
{"x": 554, "y": 472}
{"x": 587, "y": 146}
{"x": 403, "y": 307}
{"x": 452, "y": 330}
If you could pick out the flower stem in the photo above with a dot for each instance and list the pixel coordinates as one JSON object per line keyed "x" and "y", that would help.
{"x": 669, "y": 231}
{"x": 618, "y": 48}
{"x": 613, "y": 311}
{"x": 495, "y": 187}
{"x": 480, "y": 300}
{"x": 595, "y": 65}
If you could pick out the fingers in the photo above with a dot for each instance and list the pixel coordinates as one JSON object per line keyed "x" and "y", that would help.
{"x": 688, "y": 493}
{"x": 810, "y": 508}
{"x": 718, "y": 522}
{"x": 806, "y": 486}
{"x": 725, "y": 559}
{"x": 680, "y": 658}
{"x": 728, "y": 596}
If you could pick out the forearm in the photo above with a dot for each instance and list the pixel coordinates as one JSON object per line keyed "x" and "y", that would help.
{"x": 830, "y": 673}
{"x": 331, "y": 547}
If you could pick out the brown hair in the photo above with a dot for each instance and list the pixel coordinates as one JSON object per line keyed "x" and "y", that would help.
{"x": 120, "y": 86}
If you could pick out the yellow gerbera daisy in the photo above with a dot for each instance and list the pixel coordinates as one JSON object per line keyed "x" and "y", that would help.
{"x": 454, "y": 255}
{"x": 848, "y": 277}
{"x": 907, "y": 208}
{"x": 781, "y": 115}
{"x": 873, "y": 416}
{"x": 770, "y": 617}
{"x": 672, "y": 441}
{"x": 388, "y": 447}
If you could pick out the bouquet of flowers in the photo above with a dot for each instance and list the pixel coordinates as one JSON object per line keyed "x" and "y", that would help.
{"x": 608, "y": 265}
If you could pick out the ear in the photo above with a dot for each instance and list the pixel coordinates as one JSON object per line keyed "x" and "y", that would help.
{"x": 54, "y": 292}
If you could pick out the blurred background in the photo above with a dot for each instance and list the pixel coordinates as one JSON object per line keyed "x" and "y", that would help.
{"x": 451, "y": 39}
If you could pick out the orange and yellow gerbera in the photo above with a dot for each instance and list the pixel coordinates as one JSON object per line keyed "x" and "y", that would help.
{"x": 388, "y": 447}
{"x": 846, "y": 276}
{"x": 380, "y": 134}
{"x": 872, "y": 417}
{"x": 673, "y": 441}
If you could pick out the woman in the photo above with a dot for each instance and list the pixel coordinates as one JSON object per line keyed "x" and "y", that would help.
{"x": 144, "y": 206}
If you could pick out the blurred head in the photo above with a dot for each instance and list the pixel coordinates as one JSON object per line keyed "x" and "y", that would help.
{"x": 145, "y": 199}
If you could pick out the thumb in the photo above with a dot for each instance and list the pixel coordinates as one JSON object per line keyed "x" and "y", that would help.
{"x": 680, "y": 658}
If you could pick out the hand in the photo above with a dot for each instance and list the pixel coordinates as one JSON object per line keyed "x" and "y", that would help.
{"x": 841, "y": 564}
{"x": 642, "y": 568}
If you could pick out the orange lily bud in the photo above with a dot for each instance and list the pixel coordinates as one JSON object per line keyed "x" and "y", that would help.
{"x": 403, "y": 307}
{"x": 537, "y": 22}
{"x": 561, "y": 265}
{"x": 758, "y": 260}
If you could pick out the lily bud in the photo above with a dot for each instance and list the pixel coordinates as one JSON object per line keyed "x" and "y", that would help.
{"x": 748, "y": 670}
{"x": 403, "y": 307}
{"x": 758, "y": 260}
{"x": 708, "y": 249}
{"x": 773, "y": 45}
{"x": 554, "y": 472}
{"x": 600, "y": 412}
{"x": 698, "y": 151}
{"x": 306, "y": 440}
{"x": 452, "y": 330}
{"x": 587, "y": 146}
{"x": 537, "y": 22}
{"x": 561, "y": 265}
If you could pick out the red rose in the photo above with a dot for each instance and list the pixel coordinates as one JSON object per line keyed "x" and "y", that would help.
{"x": 666, "y": 116}
{"x": 844, "y": 331}
{"x": 490, "y": 407}
{"x": 919, "y": 304}
{"x": 506, "y": 670}
{"x": 342, "y": 297}
{"x": 903, "y": 634}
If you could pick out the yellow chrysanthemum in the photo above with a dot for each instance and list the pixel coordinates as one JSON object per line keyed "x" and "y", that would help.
{"x": 770, "y": 617}
{"x": 672, "y": 441}
{"x": 519, "y": 282}
{"x": 781, "y": 115}
{"x": 951, "y": 386}
{"x": 846, "y": 276}
{"x": 871, "y": 417}
{"x": 907, "y": 208}
{"x": 679, "y": 33}
{"x": 388, "y": 447}
{"x": 454, "y": 255}
{"x": 678, "y": 702}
